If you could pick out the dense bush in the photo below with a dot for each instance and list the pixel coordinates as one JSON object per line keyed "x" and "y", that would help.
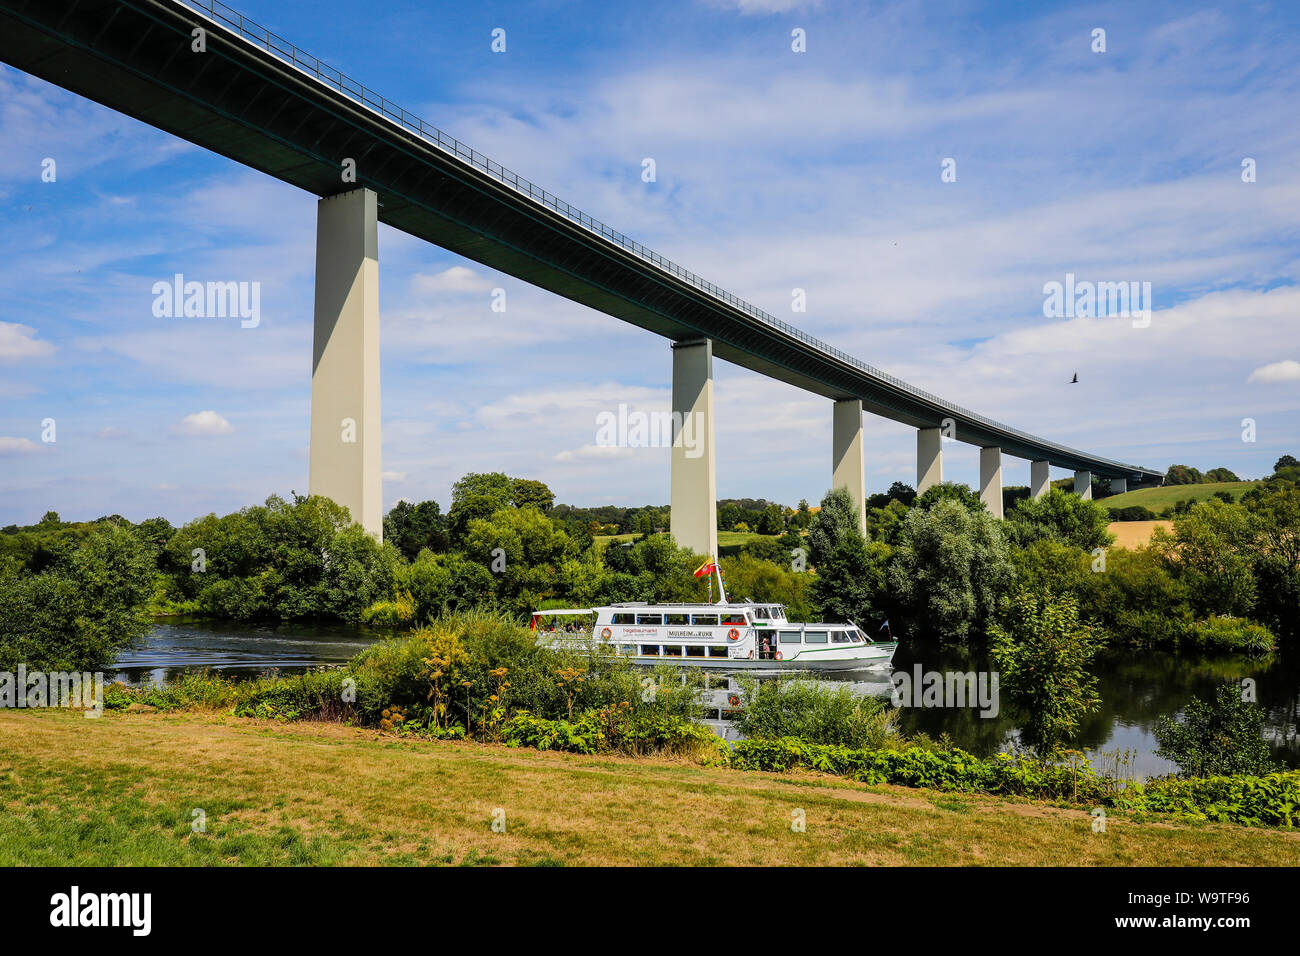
{"x": 282, "y": 560}
{"x": 949, "y": 569}
{"x": 847, "y": 576}
{"x": 615, "y": 729}
{"x": 1131, "y": 513}
{"x": 817, "y": 712}
{"x": 1061, "y": 516}
{"x": 84, "y": 607}
{"x": 1235, "y": 634}
{"x": 1216, "y": 737}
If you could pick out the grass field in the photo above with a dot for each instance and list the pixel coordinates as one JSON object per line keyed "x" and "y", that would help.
{"x": 1157, "y": 499}
{"x": 123, "y": 789}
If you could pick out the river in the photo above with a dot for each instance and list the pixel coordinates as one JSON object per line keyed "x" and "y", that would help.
{"x": 1135, "y": 687}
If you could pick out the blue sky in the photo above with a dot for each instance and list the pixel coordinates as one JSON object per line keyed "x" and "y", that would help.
{"x": 775, "y": 170}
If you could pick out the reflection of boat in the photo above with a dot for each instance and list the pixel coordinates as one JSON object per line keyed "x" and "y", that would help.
{"x": 730, "y": 635}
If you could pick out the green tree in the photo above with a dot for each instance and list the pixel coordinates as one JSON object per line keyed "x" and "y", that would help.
{"x": 1062, "y": 516}
{"x": 413, "y": 527}
{"x": 1042, "y": 651}
{"x": 1286, "y": 461}
{"x": 1217, "y": 737}
{"x": 949, "y": 568}
{"x": 524, "y": 492}
{"x": 1183, "y": 475}
{"x": 949, "y": 491}
{"x": 79, "y": 613}
{"x": 1211, "y": 547}
{"x": 847, "y": 578}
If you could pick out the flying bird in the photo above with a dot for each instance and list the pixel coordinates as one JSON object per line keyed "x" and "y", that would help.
{"x": 1075, "y": 380}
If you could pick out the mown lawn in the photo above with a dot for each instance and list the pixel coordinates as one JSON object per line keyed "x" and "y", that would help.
{"x": 123, "y": 790}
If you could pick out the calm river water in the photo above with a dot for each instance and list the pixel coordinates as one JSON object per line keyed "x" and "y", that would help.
{"x": 1135, "y": 688}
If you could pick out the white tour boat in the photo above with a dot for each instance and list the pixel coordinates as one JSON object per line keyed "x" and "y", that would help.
{"x": 734, "y": 635}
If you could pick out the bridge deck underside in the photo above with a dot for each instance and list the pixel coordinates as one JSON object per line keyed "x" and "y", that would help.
{"x": 241, "y": 102}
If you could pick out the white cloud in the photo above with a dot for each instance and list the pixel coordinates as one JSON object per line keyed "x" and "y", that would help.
{"x": 204, "y": 423}
{"x": 394, "y": 476}
{"x": 16, "y": 446}
{"x": 1287, "y": 370}
{"x": 454, "y": 279}
{"x": 19, "y": 342}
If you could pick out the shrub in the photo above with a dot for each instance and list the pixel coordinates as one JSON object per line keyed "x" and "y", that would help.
{"x": 1236, "y": 634}
{"x": 1132, "y": 513}
{"x": 1043, "y": 651}
{"x": 1216, "y": 737}
{"x": 817, "y": 712}
{"x": 1062, "y": 516}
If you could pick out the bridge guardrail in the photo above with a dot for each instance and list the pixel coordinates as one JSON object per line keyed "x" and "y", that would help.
{"x": 290, "y": 54}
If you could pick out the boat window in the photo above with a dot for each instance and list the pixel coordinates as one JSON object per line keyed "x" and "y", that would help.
{"x": 718, "y": 651}
{"x": 627, "y": 648}
{"x": 789, "y": 637}
{"x": 854, "y": 635}
{"x": 705, "y": 619}
{"x": 717, "y": 683}
{"x": 649, "y": 618}
{"x": 649, "y": 650}
{"x": 677, "y": 619}
{"x": 814, "y": 637}
{"x": 672, "y": 650}
{"x": 734, "y": 617}
{"x": 623, "y": 619}
{"x": 695, "y": 651}
{"x": 840, "y": 637}
{"x": 761, "y": 614}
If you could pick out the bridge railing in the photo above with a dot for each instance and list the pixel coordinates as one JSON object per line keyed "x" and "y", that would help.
{"x": 290, "y": 54}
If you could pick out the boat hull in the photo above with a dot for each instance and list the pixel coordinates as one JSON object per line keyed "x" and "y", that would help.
{"x": 878, "y": 655}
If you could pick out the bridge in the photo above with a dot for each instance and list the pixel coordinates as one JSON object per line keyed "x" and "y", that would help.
{"x": 199, "y": 70}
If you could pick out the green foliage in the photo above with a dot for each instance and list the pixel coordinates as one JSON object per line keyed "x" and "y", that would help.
{"x": 523, "y": 550}
{"x": 1042, "y": 652}
{"x": 818, "y": 712}
{"x": 1063, "y": 517}
{"x": 1131, "y": 513}
{"x": 1138, "y": 599}
{"x": 1212, "y": 547}
{"x": 847, "y": 576}
{"x": 83, "y": 609}
{"x": 1271, "y": 800}
{"x": 949, "y": 491}
{"x": 1216, "y": 737}
{"x": 615, "y": 729}
{"x": 282, "y": 560}
{"x": 949, "y": 569}
{"x": 767, "y": 581}
{"x": 412, "y": 528}
{"x": 1232, "y": 634}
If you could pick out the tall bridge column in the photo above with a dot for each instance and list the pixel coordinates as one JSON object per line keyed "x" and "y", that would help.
{"x": 847, "y": 470}
{"x": 991, "y": 480}
{"x": 1083, "y": 484}
{"x": 694, "y": 518}
{"x": 929, "y": 458}
{"x": 1040, "y": 478}
{"x": 1118, "y": 486}
{"x": 344, "y": 459}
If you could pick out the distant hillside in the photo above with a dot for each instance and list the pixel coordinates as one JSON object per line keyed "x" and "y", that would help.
{"x": 1158, "y": 499}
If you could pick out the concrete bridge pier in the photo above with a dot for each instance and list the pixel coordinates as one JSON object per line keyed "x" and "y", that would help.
{"x": 847, "y": 469}
{"x": 929, "y": 458}
{"x": 1118, "y": 486}
{"x": 1040, "y": 478}
{"x": 344, "y": 456}
{"x": 1083, "y": 484}
{"x": 991, "y": 480}
{"x": 694, "y": 518}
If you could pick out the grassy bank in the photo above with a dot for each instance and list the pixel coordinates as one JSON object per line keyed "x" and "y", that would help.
{"x": 122, "y": 790}
{"x": 1157, "y": 499}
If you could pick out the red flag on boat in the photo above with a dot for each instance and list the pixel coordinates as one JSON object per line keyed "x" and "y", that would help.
{"x": 708, "y": 567}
